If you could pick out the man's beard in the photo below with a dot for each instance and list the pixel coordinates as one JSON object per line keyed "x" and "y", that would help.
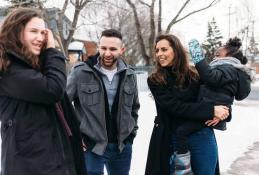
{"x": 110, "y": 63}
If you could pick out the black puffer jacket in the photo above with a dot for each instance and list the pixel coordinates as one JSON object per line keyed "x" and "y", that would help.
{"x": 34, "y": 139}
{"x": 223, "y": 82}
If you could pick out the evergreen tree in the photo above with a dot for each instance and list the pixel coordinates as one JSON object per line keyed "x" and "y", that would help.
{"x": 252, "y": 49}
{"x": 213, "y": 41}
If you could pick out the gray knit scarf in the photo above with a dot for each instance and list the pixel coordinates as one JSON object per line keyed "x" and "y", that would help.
{"x": 235, "y": 63}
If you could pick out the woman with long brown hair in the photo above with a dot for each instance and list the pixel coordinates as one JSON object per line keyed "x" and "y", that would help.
{"x": 175, "y": 86}
{"x": 38, "y": 127}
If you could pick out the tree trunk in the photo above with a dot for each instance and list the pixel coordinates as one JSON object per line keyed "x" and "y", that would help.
{"x": 152, "y": 32}
{"x": 139, "y": 34}
{"x": 159, "y": 21}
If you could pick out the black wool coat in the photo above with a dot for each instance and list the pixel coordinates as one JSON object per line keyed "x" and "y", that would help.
{"x": 174, "y": 105}
{"x": 34, "y": 138}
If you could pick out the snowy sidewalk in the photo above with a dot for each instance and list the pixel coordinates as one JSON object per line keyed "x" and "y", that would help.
{"x": 240, "y": 136}
{"x": 247, "y": 164}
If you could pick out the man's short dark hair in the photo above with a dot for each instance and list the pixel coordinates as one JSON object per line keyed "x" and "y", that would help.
{"x": 112, "y": 33}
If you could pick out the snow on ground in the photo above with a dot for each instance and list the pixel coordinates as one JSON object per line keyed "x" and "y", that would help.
{"x": 256, "y": 83}
{"x": 242, "y": 132}
{"x": 147, "y": 115}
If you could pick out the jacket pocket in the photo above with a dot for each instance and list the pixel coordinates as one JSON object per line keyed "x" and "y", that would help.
{"x": 90, "y": 93}
{"x": 128, "y": 96}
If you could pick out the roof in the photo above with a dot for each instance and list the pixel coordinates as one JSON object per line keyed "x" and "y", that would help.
{"x": 76, "y": 45}
{"x": 91, "y": 47}
{"x": 256, "y": 63}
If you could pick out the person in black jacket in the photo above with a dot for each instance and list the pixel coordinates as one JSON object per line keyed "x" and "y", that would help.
{"x": 40, "y": 134}
{"x": 224, "y": 79}
{"x": 175, "y": 86}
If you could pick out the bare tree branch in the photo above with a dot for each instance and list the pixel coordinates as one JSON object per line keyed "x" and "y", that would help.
{"x": 78, "y": 6}
{"x": 73, "y": 3}
{"x": 144, "y": 3}
{"x": 176, "y": 20}
{"x": 64, "y": 6}
{"x": 112, "y": 4}
{"x": 176, "y": 16}
{"x": 159, "y": 21}
{"x": 152, "y": 29}
{"x": 59, "y": 21}
{"x": 83, "y": 3}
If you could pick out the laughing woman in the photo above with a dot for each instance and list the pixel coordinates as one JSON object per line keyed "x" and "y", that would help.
{"x": 175, "y": 88}
{"x": 38, "y": 126}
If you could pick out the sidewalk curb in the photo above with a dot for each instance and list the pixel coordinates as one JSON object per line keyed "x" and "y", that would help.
{"x": 247, "y": 103}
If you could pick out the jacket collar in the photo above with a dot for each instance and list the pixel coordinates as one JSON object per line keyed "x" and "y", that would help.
{"x": 14, "y": 56}
{"x": 235, "y": 63}
{"x": 225, "y": 60}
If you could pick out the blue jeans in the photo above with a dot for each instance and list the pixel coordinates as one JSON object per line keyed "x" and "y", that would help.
{"x": 204, "y": 152}
{"x": 116, "y": 163}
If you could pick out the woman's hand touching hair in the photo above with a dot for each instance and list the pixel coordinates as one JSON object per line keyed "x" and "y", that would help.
{"x": 50, "y": 42}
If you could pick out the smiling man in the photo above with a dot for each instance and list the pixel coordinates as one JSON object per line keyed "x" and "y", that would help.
{"x": 104, "y": 92}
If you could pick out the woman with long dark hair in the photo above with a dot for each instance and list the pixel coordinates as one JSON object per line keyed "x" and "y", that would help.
{"x": 175, "y": 86}
{"x": 38, "y": 126}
